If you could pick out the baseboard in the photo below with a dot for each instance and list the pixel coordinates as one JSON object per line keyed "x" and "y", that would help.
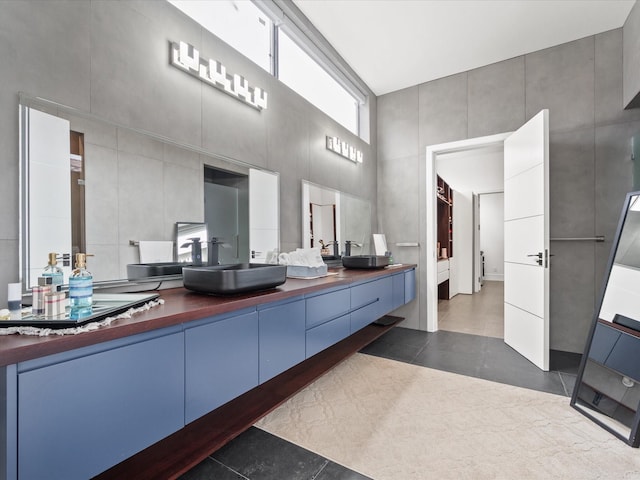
{"x": 564, "y": 361}
{"x": 494, "y": 277}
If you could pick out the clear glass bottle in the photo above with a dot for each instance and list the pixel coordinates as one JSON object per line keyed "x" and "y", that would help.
{"x": 80, "y": 289}
{"x": 55, "y": 272}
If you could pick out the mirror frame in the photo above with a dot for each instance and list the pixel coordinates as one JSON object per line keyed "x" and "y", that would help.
{"x": 633, "y": 439}
{"x": 57, "y": 109}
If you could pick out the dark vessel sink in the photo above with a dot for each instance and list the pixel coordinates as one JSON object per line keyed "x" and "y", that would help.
{"x": 136, "y": 271}
{"x": 365, "y": 261}
{"x": 235, "y": 278}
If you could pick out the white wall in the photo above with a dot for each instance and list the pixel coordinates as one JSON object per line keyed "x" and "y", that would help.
{"x": 462, "y": 267}
{"x": 479, "y": 170}
{"x": 492, "y": 234}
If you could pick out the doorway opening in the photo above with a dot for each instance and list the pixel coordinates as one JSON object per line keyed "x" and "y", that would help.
{"x": 226, "y": 212}
{"x": 442, "y": 159}
{"x": 475, "y": 269}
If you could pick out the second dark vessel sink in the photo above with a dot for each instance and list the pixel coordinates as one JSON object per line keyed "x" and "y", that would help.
{"x": 235, "y": 278}
{"x": 137, "y": 271}
{"x": 365, "y": 261}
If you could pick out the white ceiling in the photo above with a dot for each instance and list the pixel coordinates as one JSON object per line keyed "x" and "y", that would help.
{"x": 394, "y": 44}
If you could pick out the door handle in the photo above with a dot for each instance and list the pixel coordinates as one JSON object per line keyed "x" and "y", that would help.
{"x": 539, "y": 255}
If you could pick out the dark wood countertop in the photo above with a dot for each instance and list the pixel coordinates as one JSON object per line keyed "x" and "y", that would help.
{"x": 180, "y": 306}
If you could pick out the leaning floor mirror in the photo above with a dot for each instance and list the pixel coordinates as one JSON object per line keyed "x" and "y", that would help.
{"x": 608, "y": 384}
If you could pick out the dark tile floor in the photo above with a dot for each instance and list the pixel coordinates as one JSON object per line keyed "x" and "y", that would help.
{"x": 258, "y": 455}
{"x": 476, "y": 356}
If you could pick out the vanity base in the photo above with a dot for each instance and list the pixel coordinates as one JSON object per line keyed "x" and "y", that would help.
{"x": 183, "y": 450}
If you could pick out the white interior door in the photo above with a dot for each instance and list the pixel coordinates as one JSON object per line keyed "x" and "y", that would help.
{"x": 49, "y": 196}
{"x": 526, "y": 240}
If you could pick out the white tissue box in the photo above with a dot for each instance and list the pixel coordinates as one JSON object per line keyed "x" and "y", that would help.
{"x": 301, "y": 271}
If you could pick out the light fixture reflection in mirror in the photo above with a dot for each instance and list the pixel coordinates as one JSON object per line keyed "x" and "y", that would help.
{"x": 330, "y": 215}
{"x": 136, "y": 187}
{"x": 607, "y": 389}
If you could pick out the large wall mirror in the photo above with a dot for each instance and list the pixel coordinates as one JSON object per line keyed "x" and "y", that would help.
{"x": 608, "y": 384}
{"x": 329, "y": 216}
{"x": 91, "y": 186}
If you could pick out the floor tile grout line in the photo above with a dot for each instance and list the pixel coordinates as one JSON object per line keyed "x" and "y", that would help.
{"x": 229, "y": 468}
{"x": 315, "y": 475}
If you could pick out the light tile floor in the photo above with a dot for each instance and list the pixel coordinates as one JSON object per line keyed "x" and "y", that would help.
{"x": 479, "y": 314}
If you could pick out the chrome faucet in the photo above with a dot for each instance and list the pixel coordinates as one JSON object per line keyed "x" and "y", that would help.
{"x": 336, "y": 248}
{"x": 213, "y": 251}
{"x": 347, "y": 247}
{"x": 196, "y": 251}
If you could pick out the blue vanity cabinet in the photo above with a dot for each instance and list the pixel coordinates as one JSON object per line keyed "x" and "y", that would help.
{"x": 221, "y": 361}
{"x": 370, "y": 301}
{"x": 83, "y": 411}
{"x": 409, "y": 285}
{"x": 604, "y": 339}
{"x": 617, "y": 350}
{"x": 281, "y": 336}
{"x": 398, "y": 290}
{"x": 328, "y": 319}
{"x": 327, "y": 334}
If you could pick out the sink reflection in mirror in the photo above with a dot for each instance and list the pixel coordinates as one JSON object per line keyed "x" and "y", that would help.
{"x": 330, "y": 216}
{"x": 136, "y": 186}
{"x": 607, "y": 388}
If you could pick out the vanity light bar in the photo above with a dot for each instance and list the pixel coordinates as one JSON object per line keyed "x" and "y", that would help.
{"x": 343, "y": 149}
{"x": 187, "y": 58}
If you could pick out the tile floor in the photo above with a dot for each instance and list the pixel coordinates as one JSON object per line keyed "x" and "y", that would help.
{"x": 258, "y": 455}
{"x": 477, "y": 314}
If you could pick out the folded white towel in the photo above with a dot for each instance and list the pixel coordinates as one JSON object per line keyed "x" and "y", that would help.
{"x": 156, "y": 251}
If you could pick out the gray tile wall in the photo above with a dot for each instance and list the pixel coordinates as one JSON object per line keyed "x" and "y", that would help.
{"x": 590, "y": 169}
{"x": 631, "y": 51}
{"x": 111, "y": 59}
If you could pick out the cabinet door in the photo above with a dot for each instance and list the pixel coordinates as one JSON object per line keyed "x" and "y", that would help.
{"x": 398, "y": 290}
{"x": 79, "y": 417}
{"x": 221, "y": 363}
{"x": 282, "y": 337}
{"x": 409, "y": 285}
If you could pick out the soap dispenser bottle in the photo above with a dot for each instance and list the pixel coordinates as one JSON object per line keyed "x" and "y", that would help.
{"x": 80, "y": 289}
{"x": 55, "y": 272}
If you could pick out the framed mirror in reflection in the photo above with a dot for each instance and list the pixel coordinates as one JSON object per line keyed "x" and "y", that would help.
{"x": 331, "y": 218}
{"x": 608, "y": 383}
{"x": 117, "y": 186}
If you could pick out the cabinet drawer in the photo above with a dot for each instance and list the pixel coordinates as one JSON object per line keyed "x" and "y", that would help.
{"x": 379, "y": 290}
{"x": 327, "y": 334}
{"x": 328, "y": 306}
{"x": 443, "y": 266}
{"x": 79, "y": 417}
{"x": 364, "y": 316}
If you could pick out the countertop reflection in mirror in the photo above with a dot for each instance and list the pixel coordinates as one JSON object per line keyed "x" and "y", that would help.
{"x": 329, "y": 216}
{"x": 607, "y": 387}
{"x": 129, "y": 186}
